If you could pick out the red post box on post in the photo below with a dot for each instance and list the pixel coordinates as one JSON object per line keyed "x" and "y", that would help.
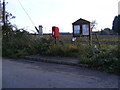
{"x": 55, "y": 31}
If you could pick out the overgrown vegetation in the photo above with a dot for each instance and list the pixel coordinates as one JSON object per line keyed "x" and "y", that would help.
{"x": 21, "y": 43}
{"x": 106, "y": 59}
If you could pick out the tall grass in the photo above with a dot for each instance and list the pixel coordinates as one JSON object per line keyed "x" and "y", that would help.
{"x": 105, "y": 58}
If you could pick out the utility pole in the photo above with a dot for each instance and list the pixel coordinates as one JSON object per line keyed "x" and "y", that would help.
{"x": 4, "y": 21}
{"x": 0, "y": 14}
{"x": 0, "y": 18}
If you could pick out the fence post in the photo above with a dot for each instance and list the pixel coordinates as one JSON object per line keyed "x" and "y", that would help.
{"x": 98, "y": 40}
{"x": 90, "y": 36}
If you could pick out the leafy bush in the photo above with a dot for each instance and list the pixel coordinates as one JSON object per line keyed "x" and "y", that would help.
{"x": 43, "y": 46}
{"x": 105, "y": 59}
{"x": 16, "y": 44}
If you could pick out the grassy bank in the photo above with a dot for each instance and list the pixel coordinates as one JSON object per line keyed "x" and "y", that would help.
{"x": 105, "y": 58}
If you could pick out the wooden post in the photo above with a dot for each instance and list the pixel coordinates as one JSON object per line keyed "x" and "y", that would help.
{"x": 90, "y": 36}
{"x": 98, "y": 40}
{"x": 3, "y": 19}
{"x": 55, "y": 40}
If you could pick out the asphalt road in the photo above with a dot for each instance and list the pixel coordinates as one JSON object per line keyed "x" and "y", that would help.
{"x": 29, "y": 74}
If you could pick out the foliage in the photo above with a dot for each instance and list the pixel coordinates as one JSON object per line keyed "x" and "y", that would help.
{"x": 105, "y": 59}
{"x": 106, "y": 31}
{"x": 93, "y": 24}
{"x": 116, "y": 24}
{"x": 64, "y": 50}
{"x": 21, "y": 43}
{"x": 7, "y": 27}
{"x": 43, "y": 46}
{"x": 14, "y": 46}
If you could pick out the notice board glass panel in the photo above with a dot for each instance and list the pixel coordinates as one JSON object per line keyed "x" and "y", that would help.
{"x": 85, "y": 29}
{"x": 76, "y": 29}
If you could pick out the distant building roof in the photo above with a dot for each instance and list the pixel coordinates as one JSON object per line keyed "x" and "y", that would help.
{"x": 81, "y": 21}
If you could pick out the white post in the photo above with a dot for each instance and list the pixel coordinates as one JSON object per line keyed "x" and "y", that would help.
{"x": 40, "y": 30}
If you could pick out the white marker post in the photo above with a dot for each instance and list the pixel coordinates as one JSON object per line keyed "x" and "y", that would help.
{"x": 40, "y": 30}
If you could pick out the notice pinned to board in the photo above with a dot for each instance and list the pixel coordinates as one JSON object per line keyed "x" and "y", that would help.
{"x": 74, "y": 39}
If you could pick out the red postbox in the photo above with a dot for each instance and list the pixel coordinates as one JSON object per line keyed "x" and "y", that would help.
{"x": 55, "y": 31}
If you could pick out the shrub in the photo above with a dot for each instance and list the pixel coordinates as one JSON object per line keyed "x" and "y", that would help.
{"x": 56, "y": 50}
{"x": 43, "y": 46}
{"x": 106, "y": 59}
{"x": 16, "y": 44}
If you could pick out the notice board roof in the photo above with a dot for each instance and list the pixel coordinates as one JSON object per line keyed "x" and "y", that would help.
{"x": 81, "y": 21}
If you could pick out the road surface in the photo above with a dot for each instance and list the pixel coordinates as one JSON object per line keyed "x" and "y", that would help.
{"x": 31, "y": 74}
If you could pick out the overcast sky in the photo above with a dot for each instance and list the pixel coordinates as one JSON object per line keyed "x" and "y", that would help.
{"x": 62, "y": 13}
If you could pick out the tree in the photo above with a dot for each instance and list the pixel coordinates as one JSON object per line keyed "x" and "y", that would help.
{"x": 93, "y": 24}
{"x": 7, "y": 26}
{"x": 106, "y": 31}
{"x": 116, "y": 24}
